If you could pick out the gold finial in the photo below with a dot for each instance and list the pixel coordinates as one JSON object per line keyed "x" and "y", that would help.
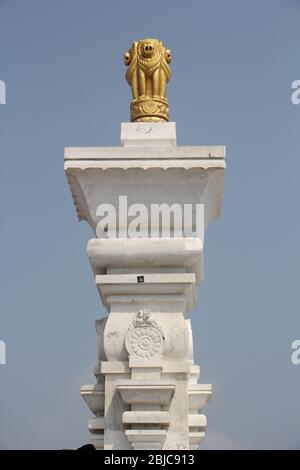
{"x": 148, "y": 74}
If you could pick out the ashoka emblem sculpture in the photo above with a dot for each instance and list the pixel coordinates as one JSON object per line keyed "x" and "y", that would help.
{"x": 144, "y": 339}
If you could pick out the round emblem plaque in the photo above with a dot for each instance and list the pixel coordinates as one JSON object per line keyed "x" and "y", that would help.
{"x": 144, "y": 338}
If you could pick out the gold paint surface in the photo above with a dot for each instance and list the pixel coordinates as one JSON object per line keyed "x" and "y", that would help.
{"x": 148, "y": 74}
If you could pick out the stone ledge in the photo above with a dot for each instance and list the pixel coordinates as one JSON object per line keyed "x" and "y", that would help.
{"x": 122, "y": 367}
{"x": 146, "y": 417}
{"x": 210, "y": 152}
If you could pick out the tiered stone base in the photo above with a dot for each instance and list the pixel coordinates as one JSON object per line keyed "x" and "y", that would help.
{"x": 147, "y": 395}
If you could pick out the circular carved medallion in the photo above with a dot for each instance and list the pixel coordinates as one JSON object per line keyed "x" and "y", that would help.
{"x": 144, "y": 340}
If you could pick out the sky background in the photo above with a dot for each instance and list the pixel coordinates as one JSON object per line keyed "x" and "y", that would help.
{"x": 233, "y": 65}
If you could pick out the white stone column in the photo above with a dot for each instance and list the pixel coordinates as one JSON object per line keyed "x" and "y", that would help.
{"x": 147, "y": 394}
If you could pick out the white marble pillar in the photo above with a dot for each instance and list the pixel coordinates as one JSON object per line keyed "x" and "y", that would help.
{"x": 147, "y": 394}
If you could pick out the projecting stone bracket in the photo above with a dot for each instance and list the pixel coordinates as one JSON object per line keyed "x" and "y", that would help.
{"x": 93, "y": 395}
{"x": 147, "y": 422}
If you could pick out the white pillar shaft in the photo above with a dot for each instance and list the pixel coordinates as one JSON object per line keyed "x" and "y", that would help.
{"x": 147, "y": 395}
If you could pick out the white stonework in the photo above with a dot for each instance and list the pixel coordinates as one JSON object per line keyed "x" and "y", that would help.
{"x": 147, "y": 394}
{"x": 138, "y": 134}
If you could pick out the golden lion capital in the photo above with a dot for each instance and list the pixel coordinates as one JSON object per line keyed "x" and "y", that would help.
{"x": 148, "y": 74}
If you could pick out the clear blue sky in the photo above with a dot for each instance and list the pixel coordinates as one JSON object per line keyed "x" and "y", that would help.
{"x": 233, "y": 65}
